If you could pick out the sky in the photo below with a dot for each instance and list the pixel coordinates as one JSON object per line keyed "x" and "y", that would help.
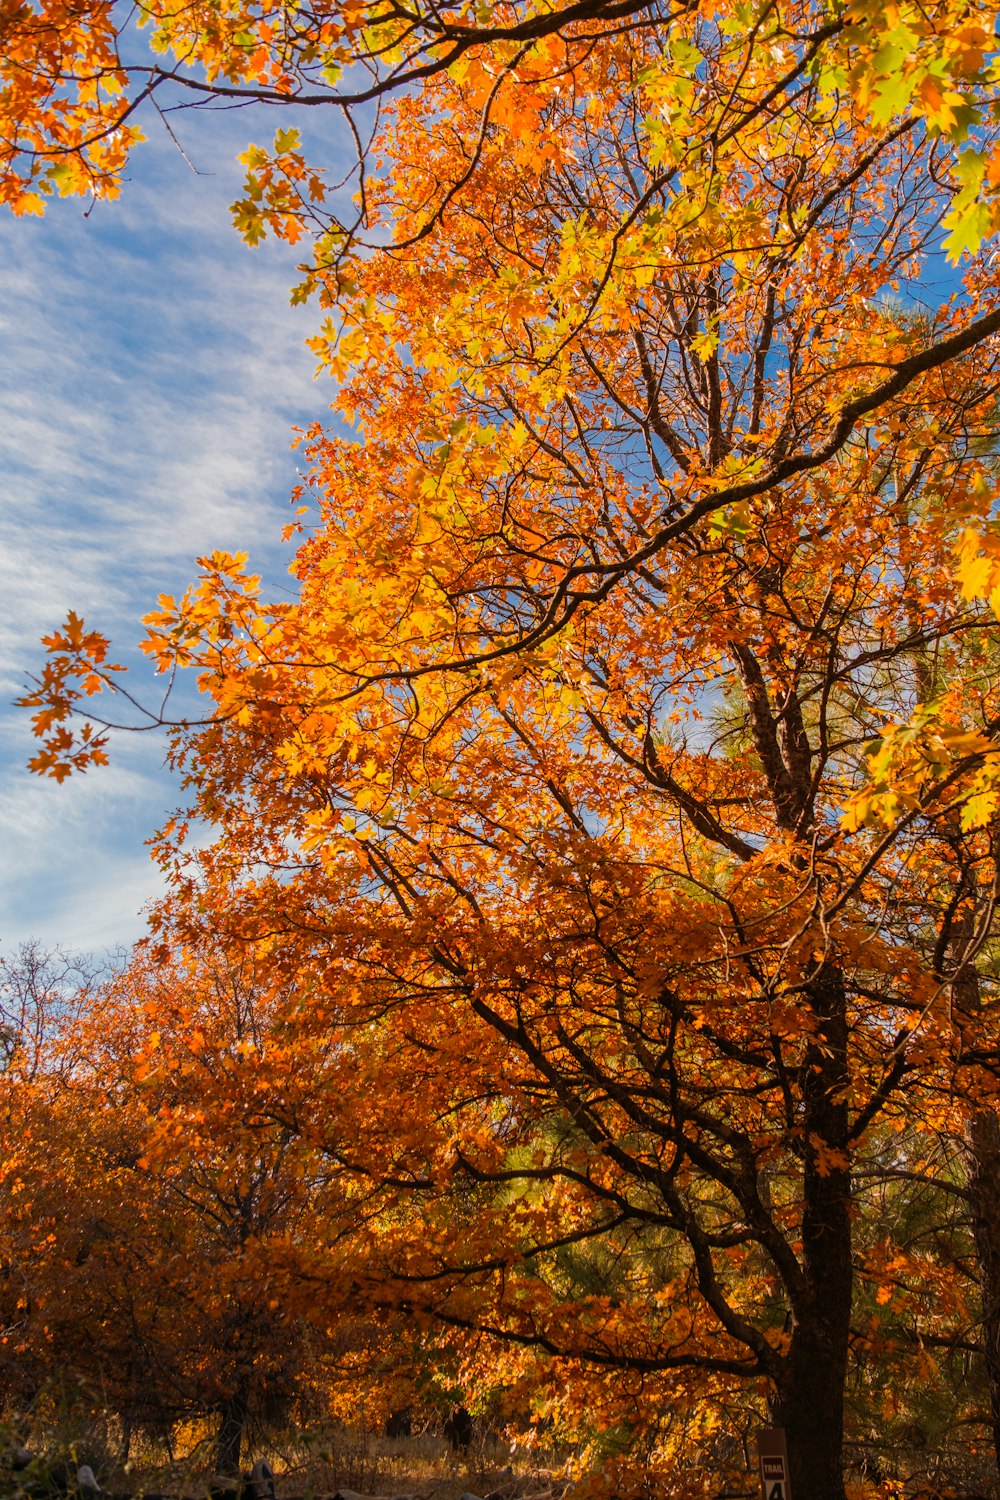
{"x": 151, "y": 373}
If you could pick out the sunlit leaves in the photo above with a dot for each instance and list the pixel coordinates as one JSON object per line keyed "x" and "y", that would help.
{"x": 69, "y": 95}
{"x": 911, "y": 759}
{"x": 76, "y": 668}
{"x": 281, "y": 191}
{"x": 532, "y": 794}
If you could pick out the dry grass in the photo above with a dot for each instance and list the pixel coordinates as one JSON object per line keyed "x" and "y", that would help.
{"x": 311, "y": 1465}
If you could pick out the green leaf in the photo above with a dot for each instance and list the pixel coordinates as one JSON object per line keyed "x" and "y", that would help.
{"x": 892, "y": 98}
{"x": 685, "y": 54}
{"x": 969, "y": 168}
{"x": 731, "y": 520}
{"x": 969, "y": 227}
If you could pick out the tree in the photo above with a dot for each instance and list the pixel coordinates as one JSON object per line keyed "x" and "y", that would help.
{"x": 74, "y": 87}
{"x": 540, "y": 780}
{"x": 168, "y": 1239}
{"x": 656, "y": 933}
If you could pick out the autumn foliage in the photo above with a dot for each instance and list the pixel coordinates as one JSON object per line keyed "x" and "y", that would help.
{"x": 580, "y": 947}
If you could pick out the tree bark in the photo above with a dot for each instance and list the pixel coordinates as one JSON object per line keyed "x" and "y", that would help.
{"x": 983, "y": 1143}
{"x": 810, "y": 1404}
{"x": 984, "y": 1189}
{"x": 232, "y": 1426}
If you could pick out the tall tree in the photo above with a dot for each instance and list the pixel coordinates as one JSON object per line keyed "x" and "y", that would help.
{"x": 551, "y": 888}
{"x": 167, "y": 1239}
{"x": 540, "y": 780}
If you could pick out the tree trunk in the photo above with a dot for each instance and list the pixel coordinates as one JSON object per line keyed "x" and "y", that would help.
{"x": 810, "y": 1403}
{"x": 983, "y": 1142}
{"x": 810, "y": 1407}
{"x": 984, "y": 1187}
{"x": 232, "y": 1425}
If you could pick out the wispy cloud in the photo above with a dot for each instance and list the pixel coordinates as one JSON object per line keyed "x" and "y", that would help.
{"x": 150, "y": 372}
{"x": 75, "y": 870}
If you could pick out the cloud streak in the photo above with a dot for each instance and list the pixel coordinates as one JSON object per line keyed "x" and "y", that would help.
{"x": 151, "y": 371}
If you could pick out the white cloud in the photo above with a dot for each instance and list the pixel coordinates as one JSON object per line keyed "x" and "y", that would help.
{"x": 75, "y": 870}
{"x": 150, "y": 373}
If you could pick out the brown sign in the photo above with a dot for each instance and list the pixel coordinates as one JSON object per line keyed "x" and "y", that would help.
{"x": 772, "y": 1452}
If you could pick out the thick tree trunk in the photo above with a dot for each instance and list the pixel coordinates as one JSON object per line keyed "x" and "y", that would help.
{"x": 984, "y": 1187}
{"x": 983, "y": 1142}
{"x": 810, "y": 1403}
{"x": 232, "y": 1425}
{"x": 810, "y": 1407}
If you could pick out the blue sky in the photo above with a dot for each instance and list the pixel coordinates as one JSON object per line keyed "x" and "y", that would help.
{"x": 151, "y": 372}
